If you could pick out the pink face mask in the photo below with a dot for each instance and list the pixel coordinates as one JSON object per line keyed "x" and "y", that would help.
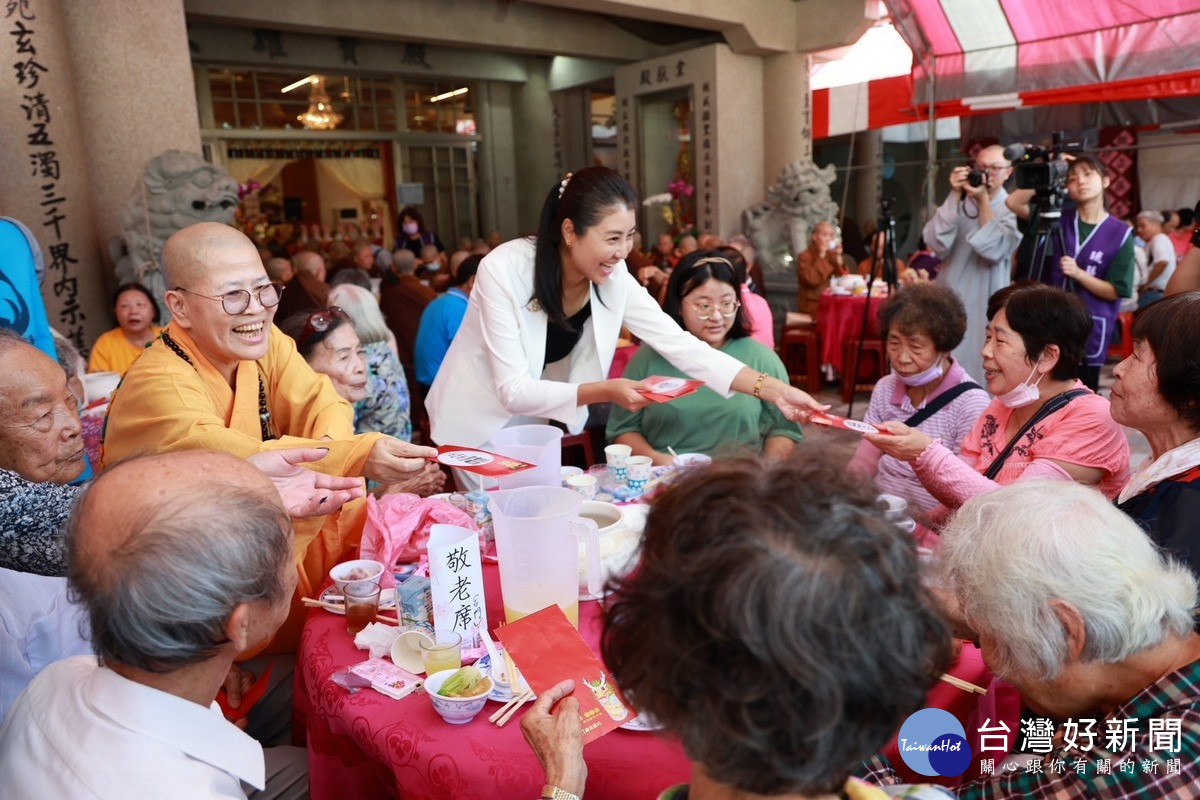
{"x": 1024, "y": 394}
{"x": 410, "y": 228}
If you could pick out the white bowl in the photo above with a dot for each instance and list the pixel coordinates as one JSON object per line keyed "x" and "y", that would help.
{"x": 360, "y": 569}
{"x": 692, "y": 460}
{"x": 620, "y": 536}
{"x": 455, "y": 710}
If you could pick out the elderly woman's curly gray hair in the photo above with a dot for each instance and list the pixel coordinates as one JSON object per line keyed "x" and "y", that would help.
{"x": 1010, "y": 553}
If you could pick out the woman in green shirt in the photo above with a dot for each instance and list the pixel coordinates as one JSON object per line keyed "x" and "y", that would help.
{"x": 702, "y": 297}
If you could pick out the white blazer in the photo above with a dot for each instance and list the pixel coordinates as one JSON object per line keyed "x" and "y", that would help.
{"x": 493, "y": 371}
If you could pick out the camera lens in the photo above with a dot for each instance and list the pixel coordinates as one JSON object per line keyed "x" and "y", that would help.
{"x": 975, "y": 177}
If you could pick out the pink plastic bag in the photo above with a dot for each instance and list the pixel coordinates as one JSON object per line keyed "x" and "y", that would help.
{"x": 397, "y": 529}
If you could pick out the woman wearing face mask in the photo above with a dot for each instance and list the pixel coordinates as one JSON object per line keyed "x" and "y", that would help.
{"x": 927, "y": 389}
{"x": 1042, "y": 423}
{"x": 703, "y": 297}
{"x": 544, "y": 317}
{"x": 412, "y": 233}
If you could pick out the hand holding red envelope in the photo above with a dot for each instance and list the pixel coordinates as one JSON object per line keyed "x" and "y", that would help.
{"x": 662, "y": 389}
{"x": 842, "y": 423}
{"x": 547, "y": 650}
{"x": 481, "y": 462}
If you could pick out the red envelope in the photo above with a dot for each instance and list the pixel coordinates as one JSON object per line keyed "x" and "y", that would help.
{"x": 842, "y": 423}
{"x": 663, "y": 389}
{"x": 249, "y": 698}
{"x": 481, "y": 462}
{"x": 547, "y": 650}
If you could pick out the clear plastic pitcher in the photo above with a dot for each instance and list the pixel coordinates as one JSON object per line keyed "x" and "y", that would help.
{"x": 538, "y": 530}
{"x": 536, "y": 444}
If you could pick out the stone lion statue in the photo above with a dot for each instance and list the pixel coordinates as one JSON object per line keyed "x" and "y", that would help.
{"x": 177, "y": 189}
{"x": 779, "y": 229}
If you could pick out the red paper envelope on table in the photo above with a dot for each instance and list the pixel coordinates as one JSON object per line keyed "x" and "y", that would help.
{"x": 249, "y": 697}
{"x": 663, "y": 389}
{"x": 842, "y": 423}
{"x": 481, "y": 462}
{"x": 547, "y": 649}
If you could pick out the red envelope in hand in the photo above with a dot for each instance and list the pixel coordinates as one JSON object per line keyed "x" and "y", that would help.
{"x": 842, "y": 423}
{"x": 481, "y": 462}
{"x": 249, "y": 698}
{"x": 663, "y": 389}
{"x": 547, "y": 650}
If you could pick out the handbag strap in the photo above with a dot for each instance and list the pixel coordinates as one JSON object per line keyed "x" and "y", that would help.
{"x": 938, "y": 403}
{"x": 1052, "y": 405}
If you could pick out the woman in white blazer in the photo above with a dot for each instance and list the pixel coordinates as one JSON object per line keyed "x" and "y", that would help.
{"x": 543, "y": 321}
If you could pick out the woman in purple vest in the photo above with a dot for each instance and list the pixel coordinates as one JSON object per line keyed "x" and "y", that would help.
{"x": 1093, "y": 258}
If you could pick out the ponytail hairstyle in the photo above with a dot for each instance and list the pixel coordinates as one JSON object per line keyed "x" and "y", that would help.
{"x": 584, "y": 198}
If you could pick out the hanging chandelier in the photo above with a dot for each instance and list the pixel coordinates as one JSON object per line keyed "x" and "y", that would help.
{"x": 320, "y": 115}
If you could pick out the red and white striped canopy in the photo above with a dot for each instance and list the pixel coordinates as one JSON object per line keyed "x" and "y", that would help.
{"x": 998, "y": 52}
{"x": 992, "y": 55}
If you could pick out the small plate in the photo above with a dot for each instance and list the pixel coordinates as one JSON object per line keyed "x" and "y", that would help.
{"x": 501, "y": 694}
{"x": 387, "y": 599}
{"x": 643, "y": 722}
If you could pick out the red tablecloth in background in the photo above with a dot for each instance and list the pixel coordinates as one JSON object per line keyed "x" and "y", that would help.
{"x": 840, "y": 317}
{"x": 368, "y": 745}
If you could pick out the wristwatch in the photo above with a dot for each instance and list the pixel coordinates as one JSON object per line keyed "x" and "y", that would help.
{"x": 554, "y": 793}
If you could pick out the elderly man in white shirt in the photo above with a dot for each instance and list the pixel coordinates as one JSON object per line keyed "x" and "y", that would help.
{"x": 177, "y": 577}
{"x": 1160, "y": 257}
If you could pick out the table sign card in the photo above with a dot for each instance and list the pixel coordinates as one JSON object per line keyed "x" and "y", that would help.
{"x": 663, "y": 389}
{"x": 842, "y": 423}
{"x": 456, "y": 579}
{"x": 481, "y": 462}
{"x": 547, "y": 649}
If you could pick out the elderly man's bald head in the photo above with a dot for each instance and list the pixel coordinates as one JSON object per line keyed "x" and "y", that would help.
{"x": 189, "y": 251}
{"x": 160, "y": 559}
{"x": 309, "y": 263}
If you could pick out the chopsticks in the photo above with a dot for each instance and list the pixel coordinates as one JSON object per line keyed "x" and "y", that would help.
{"x": 312, "y": 602}
{"x": 959, "y": 683}
{"x": 507, "y": 710}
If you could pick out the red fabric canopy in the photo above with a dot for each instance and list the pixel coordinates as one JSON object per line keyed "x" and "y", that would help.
{"x": 992, "y": 55}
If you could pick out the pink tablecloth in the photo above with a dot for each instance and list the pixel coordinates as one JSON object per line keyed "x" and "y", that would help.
{"x": 367, "y": 745}
{"x": 840, "y": 317}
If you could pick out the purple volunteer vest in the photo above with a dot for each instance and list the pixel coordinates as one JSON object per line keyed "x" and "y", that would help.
{"x": 1095, "y": 255}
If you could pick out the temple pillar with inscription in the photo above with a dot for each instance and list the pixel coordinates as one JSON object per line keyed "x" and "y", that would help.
{"x": 92, "y": 92}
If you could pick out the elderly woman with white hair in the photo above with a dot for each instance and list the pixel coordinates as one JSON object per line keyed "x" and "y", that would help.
{"x": 385, "y": 408}
{"x": 1074, "y": 605}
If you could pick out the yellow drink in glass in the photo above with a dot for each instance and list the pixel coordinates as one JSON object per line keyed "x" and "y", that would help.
{"x": 441, "y": 651}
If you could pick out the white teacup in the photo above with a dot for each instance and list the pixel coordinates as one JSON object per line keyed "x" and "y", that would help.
{"x": 585, "y": 485}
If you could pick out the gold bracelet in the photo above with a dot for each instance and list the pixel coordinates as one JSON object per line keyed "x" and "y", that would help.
{"x": 758, "y": 384}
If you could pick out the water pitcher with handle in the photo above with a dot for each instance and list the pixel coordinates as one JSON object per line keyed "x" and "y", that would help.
{"x": 538, "y": 530}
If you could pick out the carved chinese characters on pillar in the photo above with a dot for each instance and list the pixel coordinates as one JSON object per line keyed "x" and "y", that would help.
{"x": 37, "y": 139}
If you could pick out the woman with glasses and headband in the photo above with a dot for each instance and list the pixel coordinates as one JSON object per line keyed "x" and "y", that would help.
{"x": 702, "y": 296}
{"x": 544, "y": 317}
{"x": 328, "y": 340}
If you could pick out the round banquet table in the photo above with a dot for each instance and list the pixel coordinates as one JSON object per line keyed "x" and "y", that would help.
{"x": 840, "y": 318}
{"x": 368, "y": 745}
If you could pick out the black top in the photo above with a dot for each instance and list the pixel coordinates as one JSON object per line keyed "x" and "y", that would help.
{"x": 1168, "y": 512}
{"x": 560, "y": 341}
{"x": 414, "y": 245}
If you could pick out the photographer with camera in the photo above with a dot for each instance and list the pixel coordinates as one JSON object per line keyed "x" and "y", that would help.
{"x": 975, "y": 234}
{"x": 1093, "y": 258}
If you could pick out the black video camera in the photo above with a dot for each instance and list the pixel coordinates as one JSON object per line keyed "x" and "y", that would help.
{"x": 1040, "y": 168}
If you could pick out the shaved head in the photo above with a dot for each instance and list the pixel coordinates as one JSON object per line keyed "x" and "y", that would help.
{"x": 309, "y": 263}
{"x": 188, "y": 251}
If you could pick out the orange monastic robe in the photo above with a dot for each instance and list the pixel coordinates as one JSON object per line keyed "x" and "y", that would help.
{"x": 164, "y": 404}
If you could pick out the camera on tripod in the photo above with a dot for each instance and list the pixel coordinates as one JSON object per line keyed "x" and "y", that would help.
{"x": 1041, "y": 168}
